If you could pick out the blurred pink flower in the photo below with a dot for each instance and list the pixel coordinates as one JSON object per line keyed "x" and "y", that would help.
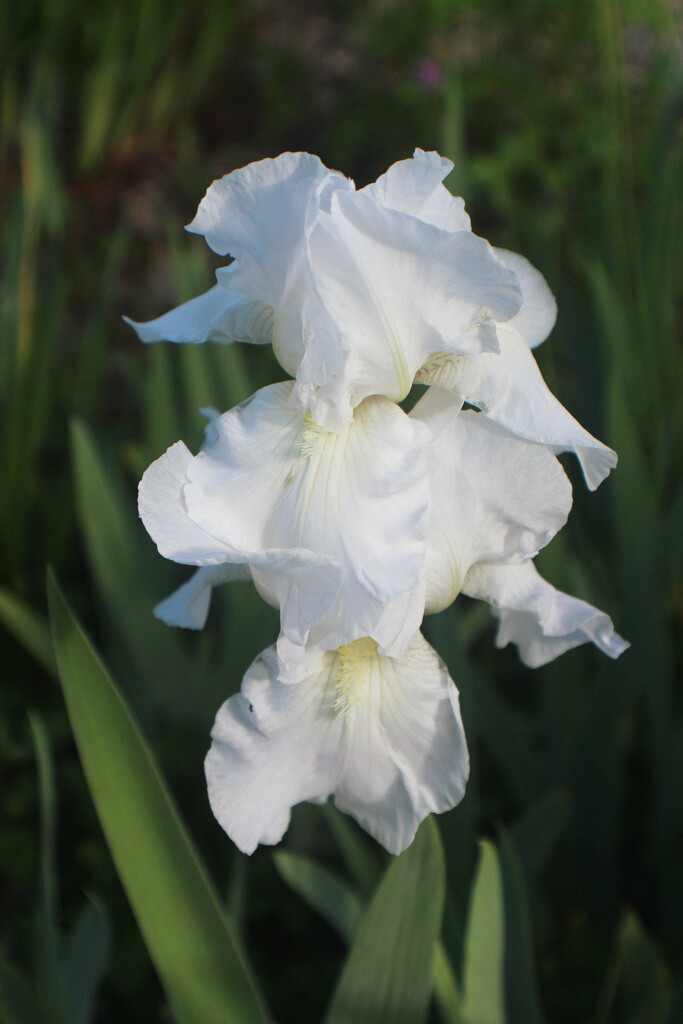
{"x": 428, "y": 73}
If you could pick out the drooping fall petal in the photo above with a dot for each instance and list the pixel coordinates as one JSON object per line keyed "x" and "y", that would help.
{"x": 543, "y": 622}
{"x": 221, "y": 314}
{"x": 509, "y": 389}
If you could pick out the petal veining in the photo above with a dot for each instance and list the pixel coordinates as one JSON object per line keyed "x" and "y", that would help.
{"x": 302, "y": 583}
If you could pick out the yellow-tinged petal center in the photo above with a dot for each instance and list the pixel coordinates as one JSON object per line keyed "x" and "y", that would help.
{"x": 312, "y": 436}
{"x": 355, "y": 665}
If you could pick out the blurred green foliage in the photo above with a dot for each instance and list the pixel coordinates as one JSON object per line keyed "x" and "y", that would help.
{"x": 564, "y": 122}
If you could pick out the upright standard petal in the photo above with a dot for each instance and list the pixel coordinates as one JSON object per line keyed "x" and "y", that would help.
{"x": 508, "y": 387}
{"x": 493, "y": 497}
{"x": 221, "y": 314}
{"x": 383, "y": 736}
{"x": 259, "y": 214}
{"x": 538, "y": 314}
{"x": 541, "y": 621}
{"x": 389, "y": 290}
{"x": 416, "y": 187}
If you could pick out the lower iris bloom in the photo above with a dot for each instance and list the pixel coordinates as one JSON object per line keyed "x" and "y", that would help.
{"x": 383, "y": 735}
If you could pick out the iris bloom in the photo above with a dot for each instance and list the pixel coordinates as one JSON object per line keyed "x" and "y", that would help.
{"x": 351, "y": 516}
{"x": 383, "y": 735}
{"x": 361, "y": 291}
{"x": 351, "y": 534}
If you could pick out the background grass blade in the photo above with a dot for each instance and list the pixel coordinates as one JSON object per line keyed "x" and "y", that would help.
{"x": 537, "y": 833}
{"x": 523, "y": 1005}
{"x": 85, "y": 962}
{"x": 118, "y": 558}
{"x": 17, "y": 998}
{"x": 359, "y": 856}
{"x": 28, "y": 628}
{"x": 191, "y": 943}
{"x": 637, "y": 989}
{"x": 387, "y": 977}
{"x": 341, "y": 906}
{"x": 49, "y": 985}
{"x": 323, "y": 890}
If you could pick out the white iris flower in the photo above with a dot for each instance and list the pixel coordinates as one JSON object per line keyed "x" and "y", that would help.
{"x": 360, "y": 291}
{"x": 351, "y": 516}
{"x": 383, "y": 735}
{"x": 355, "y": 289}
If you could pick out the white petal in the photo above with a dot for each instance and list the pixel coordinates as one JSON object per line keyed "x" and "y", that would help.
{"x": 275, "y": 480}
{"x": 164, "y": 513}
{"x": 542, "y": 621}
{"x": 538, "y": 314}
{"x": 384, "y": 736}
{"x": 392, "y": 289}
{"x": 302, "y": 582}
{"x": 272, "y": 746}
{"x": 210, "y": 415}
{"x": 494, "y": 498}
{"x": 394, "y": 633}
{"x": 401, "y": 620}
{"x": 509, "y": 389}
{"x": 220, "y": 314}
{"x": 415, "y": 187}
{"x": 258, "y": 214}
{"x": 188, "y": 606}
{"x": 405, "y": 749}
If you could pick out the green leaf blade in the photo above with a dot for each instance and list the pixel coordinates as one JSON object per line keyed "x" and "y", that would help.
{"x": 28, "y": 628}
{"x": 387, "y": 978}
{"x": 484, "y": 964}
{"x": 187, "y": 934}
{"x": 18, "y": 1004}
{"x": 49, "y": 981}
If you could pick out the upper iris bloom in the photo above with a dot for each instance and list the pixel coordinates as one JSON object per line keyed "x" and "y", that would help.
{"x": 361, "y": 291}
{"x": 355, "y": 289}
